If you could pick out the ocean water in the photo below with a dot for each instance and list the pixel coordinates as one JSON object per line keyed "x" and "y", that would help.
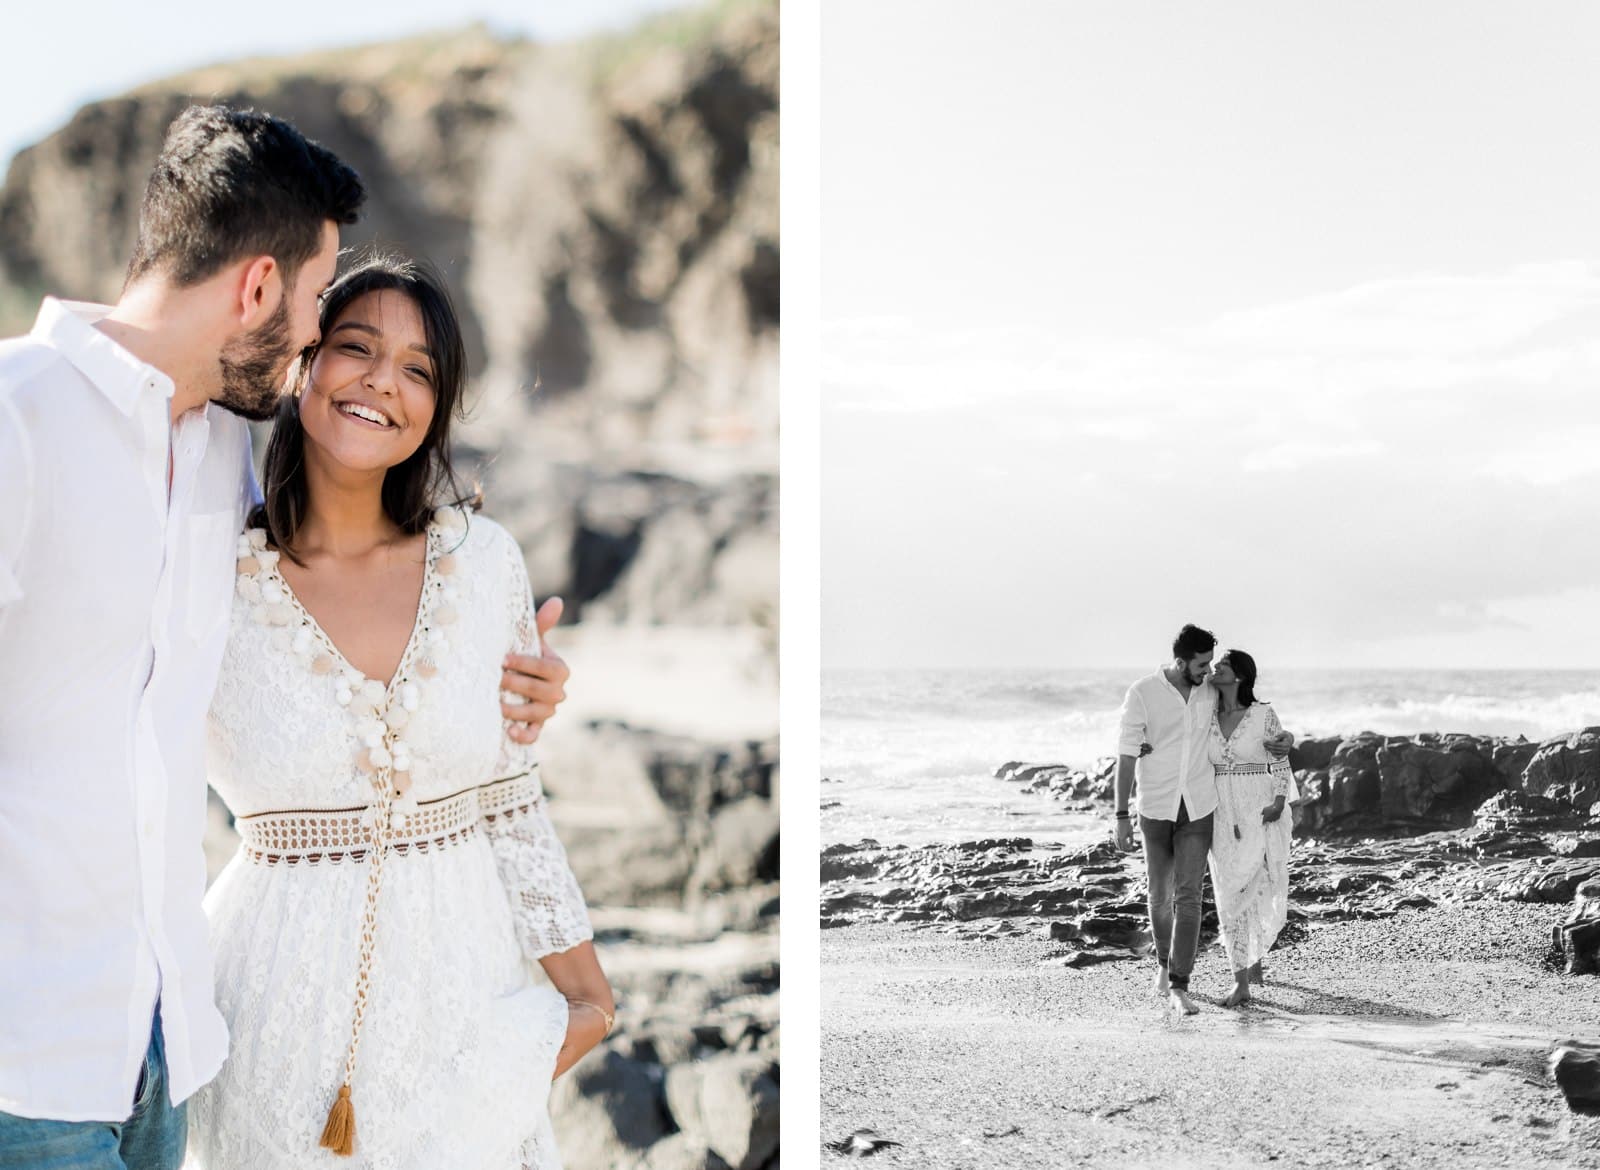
{"x": 909, "y": 756}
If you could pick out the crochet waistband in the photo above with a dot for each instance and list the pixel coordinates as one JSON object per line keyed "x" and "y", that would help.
{"x": 345, "y": 834}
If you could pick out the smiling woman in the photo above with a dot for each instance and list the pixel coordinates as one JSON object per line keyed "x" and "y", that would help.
{"x": 396, "y": 847}
{"x": 390, "y": 348}
{"x": 373, "y": 375}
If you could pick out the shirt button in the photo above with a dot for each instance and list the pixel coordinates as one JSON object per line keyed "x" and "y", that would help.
{"x": 149, "y": 829}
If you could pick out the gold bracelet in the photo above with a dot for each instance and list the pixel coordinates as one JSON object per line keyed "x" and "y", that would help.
{"x": 605, "y": 1015}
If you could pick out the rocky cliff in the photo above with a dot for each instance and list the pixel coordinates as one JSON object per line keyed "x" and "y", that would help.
{"x": 607, "y": 213}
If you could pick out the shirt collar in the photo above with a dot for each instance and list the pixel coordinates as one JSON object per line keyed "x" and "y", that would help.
{"x": 1161, "y": 672}
{"x": 68, "y": 326}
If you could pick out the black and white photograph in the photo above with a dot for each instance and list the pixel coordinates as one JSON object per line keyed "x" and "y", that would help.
{"x": 1210, "y": 468}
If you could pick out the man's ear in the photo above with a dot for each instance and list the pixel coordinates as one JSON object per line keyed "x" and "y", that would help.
{"x": 260, "y": 289}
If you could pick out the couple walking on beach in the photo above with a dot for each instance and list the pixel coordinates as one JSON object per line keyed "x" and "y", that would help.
{"x": 1213, "y": 783}
{"x": 336, "y": 650}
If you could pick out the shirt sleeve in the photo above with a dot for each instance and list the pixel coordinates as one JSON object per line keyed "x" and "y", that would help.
{"x": 1132, "y": 724}
{"x": 16, "y": 492}
{"x": 253, "y": 498}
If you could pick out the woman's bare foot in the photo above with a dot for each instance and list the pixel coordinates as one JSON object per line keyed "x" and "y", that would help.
{"x": 1160, "y": 985}
{"x": 1241, "y": 990}
{"x": 1255, "y": 973}
{"x": 1181, "y": 1003}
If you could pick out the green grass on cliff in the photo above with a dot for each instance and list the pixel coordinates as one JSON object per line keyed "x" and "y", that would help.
{"x": 684, "y": 28}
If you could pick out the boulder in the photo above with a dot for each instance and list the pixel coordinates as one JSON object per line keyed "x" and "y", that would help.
{"x": 608, "y": 1110}
{"x": 742, "y": 848}
{"x": 1314, "y": 755}
{"x": 680, "y": 1151}
{"x": 1549, "y": 879}
{"x": 1578, "y": 938}
{"x": 1442, "y": 784}
{"x": 729, "y": 1102}
{"x": 1566, "y": 769}
{"x": 1575, "y": 1066}
{"x": 1355, "y": 785}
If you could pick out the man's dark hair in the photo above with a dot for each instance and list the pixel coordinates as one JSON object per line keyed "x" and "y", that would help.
{"x": 234, "y": 183}
{"x": 1192, "y": 641}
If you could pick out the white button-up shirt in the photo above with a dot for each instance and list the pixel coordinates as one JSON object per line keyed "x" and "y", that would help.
{"x": 1179, "y": 766}
{"x": 114, "y": 597}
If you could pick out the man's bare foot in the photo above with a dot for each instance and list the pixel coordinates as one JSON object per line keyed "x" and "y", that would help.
{"x": 1241, "y": 991}
{"x": 1255, "y": 973}
{"x": 1160, "y": 985}
{"x": 1181, "y": 1003}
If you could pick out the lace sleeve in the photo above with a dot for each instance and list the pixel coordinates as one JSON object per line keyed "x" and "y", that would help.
{"x": 545, "y": 898}
{"x": 522, "y": 636}
{"x": 546, "y": 903}
{"x": 1282, "y": 774}
{"x": 1273, "y": 726}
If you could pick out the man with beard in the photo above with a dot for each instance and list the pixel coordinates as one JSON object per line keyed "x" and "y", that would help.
{"x": 124, "y": 484}
{"x": 1165, "y": 721}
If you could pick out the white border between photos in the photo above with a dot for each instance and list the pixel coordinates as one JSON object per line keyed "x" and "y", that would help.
{"x": 800, "y": 571}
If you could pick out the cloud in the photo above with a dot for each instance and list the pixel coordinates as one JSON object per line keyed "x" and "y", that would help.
{"x": 1393, "y": 464}
{"x": 1439, "y": 316}
{"x": 1290, "y": 456}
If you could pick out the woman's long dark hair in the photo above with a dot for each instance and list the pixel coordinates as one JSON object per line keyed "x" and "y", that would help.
{"x": 427, "y": 480}
{"x": 1244, "y": 669}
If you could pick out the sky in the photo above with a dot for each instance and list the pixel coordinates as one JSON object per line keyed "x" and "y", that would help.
{"x": 53, "y": 66}
{"x": 1279, "y": 318}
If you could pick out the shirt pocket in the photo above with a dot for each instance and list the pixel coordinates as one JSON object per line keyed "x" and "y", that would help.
{"x": 210, "y": 549}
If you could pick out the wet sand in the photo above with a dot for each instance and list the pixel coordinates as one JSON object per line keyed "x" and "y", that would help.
{"x": 1418, "y": 1040}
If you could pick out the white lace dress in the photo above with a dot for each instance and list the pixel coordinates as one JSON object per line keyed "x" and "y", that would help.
{"x": 450, "y": 1061}
{"x": 1250, "y": 859}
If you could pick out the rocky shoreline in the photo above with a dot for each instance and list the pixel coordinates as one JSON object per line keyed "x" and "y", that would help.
{"x": 1388, "y": 825}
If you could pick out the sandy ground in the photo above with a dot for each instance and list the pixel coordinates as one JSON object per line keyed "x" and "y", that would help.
{"x": 1417, "y": 1041}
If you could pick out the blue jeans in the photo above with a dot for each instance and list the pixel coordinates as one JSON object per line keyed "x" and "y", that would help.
{"x": 152, "y": 1138}
{"x": 1175, "y": 859}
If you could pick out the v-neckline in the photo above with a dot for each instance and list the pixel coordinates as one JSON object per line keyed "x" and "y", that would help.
{"x": 1244, "y": 714}
{"x": 332, "y": 647}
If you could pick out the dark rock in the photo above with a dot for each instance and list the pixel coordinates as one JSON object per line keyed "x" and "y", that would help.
{"x": 1580, "y": 845}
{"x": 1314, "y": 755}
{"x": 742, "y": 849}
{"x": 682, "y": 1151}
{"x": 1566, "y": 769}
{"x": 1512, "y": 757}
{"x": 1575, "y": 1066}
{"x": 1549, "y": 880}
{"x": 1078, "y": 960}
{"x": 608, "y": 1109}
{"x": 1439, "y": 784}
{"x": 863, "y": 1143}
{"x": 1354, "y": 782}
{"x": 1578, "y": 938}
